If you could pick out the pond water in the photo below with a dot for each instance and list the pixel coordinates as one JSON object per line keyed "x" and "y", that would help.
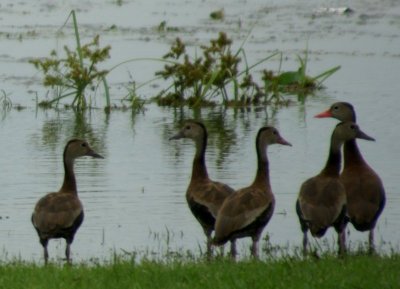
{"x": 134, "y": 198}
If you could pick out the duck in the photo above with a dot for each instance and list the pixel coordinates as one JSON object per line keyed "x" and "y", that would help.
{"x": 365, "y": 192}
{"x": 60, "y": 214}
{"x": 246, "y": 212}
{"x": 203, "y": 195}
{"x": 322, "y": 201}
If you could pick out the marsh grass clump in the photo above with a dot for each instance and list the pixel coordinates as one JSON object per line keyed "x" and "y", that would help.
{"x": 294, "y": 82}
{"x": 194, "y": 80}
{"x": 132, "y": 99}
{"x": 218, "y": 72}
{"x": 76, "y": 73}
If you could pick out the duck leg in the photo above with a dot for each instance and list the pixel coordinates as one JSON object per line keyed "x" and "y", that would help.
{"x": 68, "y": 249}
{"x": 209, "y": 251}
{"x": 68, "y": 252}
{"x": 233, "y": 249}
{"x": 305, "y": 243}
{"x": 46, "y": 255}
{"x": 44, "y": 243}
{"x": 371, "y": 241}
{"x": 342, "y": 242}
{"x": 254, "y": 246}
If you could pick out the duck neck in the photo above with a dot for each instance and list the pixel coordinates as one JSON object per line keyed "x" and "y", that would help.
{"x": 262, "y": 175}
{"x": 332, "y": 167}
{"x": 69, "y": 184}
{"x": 351, "y": 153}
{"x": 199, "y": 170}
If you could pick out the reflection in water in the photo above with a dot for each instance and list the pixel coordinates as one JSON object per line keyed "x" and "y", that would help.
{"x": 61, "y": 125}
{"x": 224, "y": 125}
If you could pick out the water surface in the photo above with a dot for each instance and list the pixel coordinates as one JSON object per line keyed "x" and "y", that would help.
{"x": 134, "y": 198}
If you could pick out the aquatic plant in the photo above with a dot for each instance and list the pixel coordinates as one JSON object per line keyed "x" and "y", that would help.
{"x": 5, "y": 101}
{"x": 76, "y": 73}
{"x": 135, "y": 102}
{"x": 119, "y": 2}
{"x": 217, "y": 15}
{"x": 192, "y": 80}
{"x": 195, "y": 81}
{"x": 217, "y": 72}
{"x": 293, "y": 82}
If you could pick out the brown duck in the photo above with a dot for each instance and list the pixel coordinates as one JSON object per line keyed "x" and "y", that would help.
{"x": 59, "y": 215}
{"x": 248, "y": 211}
{"x": 322, "y": 199}
{"x": 203, "y": 195}
{"x": 364, "y": 189}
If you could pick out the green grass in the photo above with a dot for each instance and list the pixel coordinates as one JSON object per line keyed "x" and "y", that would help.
{"x": 328, "y": 272}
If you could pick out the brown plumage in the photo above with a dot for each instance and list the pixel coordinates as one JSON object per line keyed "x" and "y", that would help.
{"x": 322, "y": 199}
{"x": 59, "y": 214}
{"x": 248, "y": 211}
{"x": 203, "y": 195}
{"x": 365, "y": 192}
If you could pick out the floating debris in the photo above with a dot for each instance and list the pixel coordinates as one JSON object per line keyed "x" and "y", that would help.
{"x": 333, "y": 10}
{"x": 217, "y": 15}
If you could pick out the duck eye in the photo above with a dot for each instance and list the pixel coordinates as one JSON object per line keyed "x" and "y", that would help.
{"x": 336, "y": 107}
{"x": 84, "y": 144}
{"x": 275, "y": 132}
{"x": 187, "y": 127}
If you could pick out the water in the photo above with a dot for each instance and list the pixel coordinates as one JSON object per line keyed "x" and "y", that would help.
{"x": 134, "y": 198}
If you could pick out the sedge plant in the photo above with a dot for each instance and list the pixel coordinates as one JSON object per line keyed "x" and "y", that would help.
{"x": 217, "y": 72}
{"x": 73, "y": 75}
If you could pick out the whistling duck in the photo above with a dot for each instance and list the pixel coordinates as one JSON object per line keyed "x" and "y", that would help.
{"x": 203, "y": 195}
{"x": 322, "y": 198}
{"x": 59, "y": 215}
{"x": 248, "y": 210}
{"x": 364, "y": 189}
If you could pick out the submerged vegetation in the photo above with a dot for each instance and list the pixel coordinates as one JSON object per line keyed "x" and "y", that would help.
{"x": 197, "y": 81}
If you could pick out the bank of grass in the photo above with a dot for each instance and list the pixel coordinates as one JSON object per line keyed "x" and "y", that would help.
{"x": 327, "y": 272}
